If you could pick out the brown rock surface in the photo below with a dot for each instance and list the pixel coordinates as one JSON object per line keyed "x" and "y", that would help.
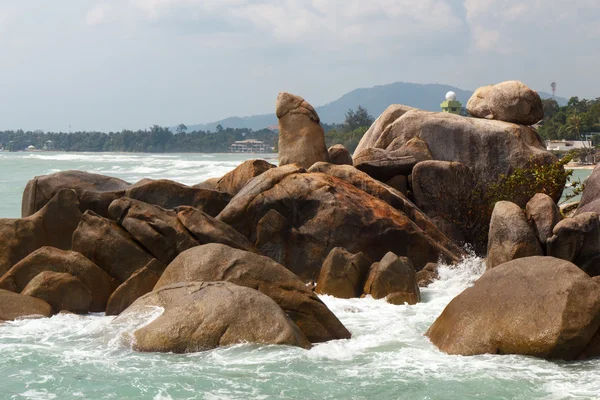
{"x": 324, "y": 212}
{"x": 543, "y": 212}
{"x": 109, "y": 246}
{"x": 393, "y": 278}
{"x": 235, "y": 180}
{"x": 95, "y": 192}
{"x": 217, "y": 262}
{"x": 14, "y": 306}
{"x": 62, "y": 291}
{"x": 343, "y": 274}
{"x": 383, "y": 164}
{"x": 301, "y": 137}
{"x": 590, "y": 199}
{"x": 510, "y": 236}
{"x": 339, "y": 155}
{"x": 382, "y": 123}
{"x": 141, "y": 282}
{"x": 202, "y": 316}
{"x": 427, "y": 275}
{"x": 510, "y": 101}
{"x": 53, "y": 225}
{"x": 536, "y": 306}
{"x": 50, "y": 259}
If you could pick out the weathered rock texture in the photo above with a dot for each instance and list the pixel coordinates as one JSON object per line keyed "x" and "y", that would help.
{"x": 339, "y": 155}
{"x": 510, "y": 236}
{"x": 382, "y": 164}
{"x": 217, "y": 262}
{"x": 510, "y": 101}
{"x": 577, "y": 240}
{"x": 382, "y": 123}
{"x": 343, "y": 274}
{"x": 234, "y": 181}
{"x": 14, "y": 306}
{"x": 202, "y": 316}
{"x": 590, "y": 199}
{"x": 544, "y": 214}
{"x": 323, "y": 212}
{"x": 53, "y": 225}
{"x": 95, "y": 192}
{"x": 537, "y": 306}
{"x": 141, "y": 282}
{"x": 62, "y": 291}
{"x": 301, "y": 137}
{"x": 51, "y": 259}
{"x": 393, "y": 278}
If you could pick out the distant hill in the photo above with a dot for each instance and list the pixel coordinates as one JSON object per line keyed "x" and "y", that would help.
{"x": 375, "y": 100}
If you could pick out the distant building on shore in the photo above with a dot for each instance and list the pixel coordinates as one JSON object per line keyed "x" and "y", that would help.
{"x": 566, "y": 145}
{"x": 250, "y": 146}
{"x": 451, "y": 105}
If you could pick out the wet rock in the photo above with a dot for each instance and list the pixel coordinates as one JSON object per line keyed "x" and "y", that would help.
{"x": 536, "y": 306}
{"x": 339, "y": 155}
{"x": 301, "y": 137}
{"x": 510, "y": 101}
{"x": 427, "y": 275}
{"x": 109, "y": 246}
{"x": 217, "y": 262}
{"x": 543, "y": 212}
{"x": 202, "y": 316}
{"x": 343, "y": 274}
{"x": 53, "y": 225}
{"x": 393, "y": 278}
{"x": 15, "y": 306}
{"x": 141, "y": 282}
{"x": 95, "y": 192}
{"x": 61, "y": 290}
{"x": 50, "y": 259}
{"x": 510, "y": 236}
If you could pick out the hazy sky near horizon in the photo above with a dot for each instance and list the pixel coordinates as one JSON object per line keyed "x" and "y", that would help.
{"x": 115, "y": 64}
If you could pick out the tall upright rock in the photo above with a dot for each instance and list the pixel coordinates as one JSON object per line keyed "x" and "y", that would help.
{"x": 301, "y": 137}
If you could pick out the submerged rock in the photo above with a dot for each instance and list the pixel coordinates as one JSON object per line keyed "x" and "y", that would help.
{"x": 15, "y": 306}
{"x": 343, "y": 274}
{"x": 536, "y": 306}
{"x": 62, "y": 291}
{"x": 301, "y": 137}
{"x": 202, "y": 316}
{"x": 393, "y": 278}
{"x": 217, "y": 262}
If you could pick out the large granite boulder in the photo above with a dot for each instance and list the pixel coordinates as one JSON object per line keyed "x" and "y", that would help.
{"x": 301, "y": 137}
{"x": 217, "y": 262}
{"x": 235, "y": 180}
{"x": 382, "y": 123}
{"x": 15, "y": 306}
{"x": 510, "y": 101}
{"x": 95, "y": 192}
{"x": 339, "y": 155}
{"x": 62, "y": 291}
{"x": 109, "y": 246}
{"x": 394, "y": 279}
{"x": 511, "y": 236}
{"x": 53, "y": 225}
{"x": 201, "y": 316}
{"x": 388, "y": 194}
{"x": 590, "y": 199}
{"x": 141, "y": 282}
{"x": 536, "y": 306}
{"x": 50, "y": 259}
{"x": 544, "y": 214}
{"x": 343, "y": 274}
{"x": 577, "y": 240}
{"x": 158, "y": 230}
{"x": 324, "y": 212}
{"x": 168, "y": 194}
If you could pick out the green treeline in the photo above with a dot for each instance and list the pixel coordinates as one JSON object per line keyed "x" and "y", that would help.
{"x": 579, "y": 118}
{"x": 154, "y": 140}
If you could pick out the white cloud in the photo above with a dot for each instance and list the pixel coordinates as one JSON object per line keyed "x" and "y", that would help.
{"x": 97, "y": 15}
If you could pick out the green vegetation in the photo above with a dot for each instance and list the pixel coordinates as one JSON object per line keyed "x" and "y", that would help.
{"x": 154, "y": 140}
{"x": 351, "y": 131}
{"x": 571, "y": 122}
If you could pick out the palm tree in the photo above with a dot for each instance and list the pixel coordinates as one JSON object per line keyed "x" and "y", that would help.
{"x": 572, "y": 129}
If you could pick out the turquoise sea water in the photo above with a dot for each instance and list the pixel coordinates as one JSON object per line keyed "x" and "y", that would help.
{"x": 90, "y": 357}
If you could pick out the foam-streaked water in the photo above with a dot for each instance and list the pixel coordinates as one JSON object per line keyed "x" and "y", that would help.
{"x": 89, "y": 357}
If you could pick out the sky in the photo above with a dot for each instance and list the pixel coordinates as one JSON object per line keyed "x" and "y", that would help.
{"x": 128, "y": 64}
